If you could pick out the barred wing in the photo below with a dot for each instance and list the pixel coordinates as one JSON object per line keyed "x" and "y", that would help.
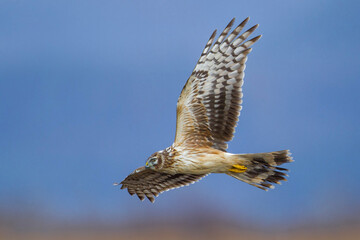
{"x": 209, "y": 105}
{"x": 146, "y": 182}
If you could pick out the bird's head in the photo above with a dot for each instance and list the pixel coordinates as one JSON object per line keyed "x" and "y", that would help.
{"x": 154, "y": 162}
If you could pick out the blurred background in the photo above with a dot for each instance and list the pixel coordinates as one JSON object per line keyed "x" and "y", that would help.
{"x": 88, "y": 91}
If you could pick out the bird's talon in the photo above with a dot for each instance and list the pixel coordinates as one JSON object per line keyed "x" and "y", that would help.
{"x": 238, "y": 168}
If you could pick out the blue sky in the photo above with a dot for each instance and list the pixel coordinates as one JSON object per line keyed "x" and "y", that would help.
{"x": 88, "y": 91}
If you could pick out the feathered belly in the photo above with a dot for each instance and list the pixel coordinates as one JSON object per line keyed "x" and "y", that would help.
{"x": 199, "y": 162}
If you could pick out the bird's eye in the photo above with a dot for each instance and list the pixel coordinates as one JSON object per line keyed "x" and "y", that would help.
{"x": 153, "y": 160}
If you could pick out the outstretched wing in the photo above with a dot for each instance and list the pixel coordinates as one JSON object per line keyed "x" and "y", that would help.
{"x": 209, "y": 105}
{"x": 146, "y": 182}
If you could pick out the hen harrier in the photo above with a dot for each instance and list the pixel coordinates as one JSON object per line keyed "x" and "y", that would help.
{"x": 207, "y": 112}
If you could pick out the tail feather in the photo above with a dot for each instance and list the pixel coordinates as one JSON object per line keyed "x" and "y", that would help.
{"x": 262, "y": 168}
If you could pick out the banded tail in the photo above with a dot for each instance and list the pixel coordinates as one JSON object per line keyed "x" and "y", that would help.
{"x": 260, "y": 169}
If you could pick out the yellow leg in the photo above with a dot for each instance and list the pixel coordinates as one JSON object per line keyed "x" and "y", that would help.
{"x": 238, "y": 168}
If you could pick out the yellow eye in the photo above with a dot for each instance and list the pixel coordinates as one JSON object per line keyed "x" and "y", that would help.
{"x": 151, "y": 162}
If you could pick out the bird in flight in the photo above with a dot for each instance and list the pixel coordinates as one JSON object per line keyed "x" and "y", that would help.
{"x": 207, "y": 113}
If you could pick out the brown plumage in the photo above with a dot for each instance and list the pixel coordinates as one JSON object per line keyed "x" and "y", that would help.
{"x": 207, "y": 112}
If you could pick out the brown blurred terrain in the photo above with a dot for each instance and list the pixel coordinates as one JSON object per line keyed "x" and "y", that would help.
{"x": 33, "y": 228}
